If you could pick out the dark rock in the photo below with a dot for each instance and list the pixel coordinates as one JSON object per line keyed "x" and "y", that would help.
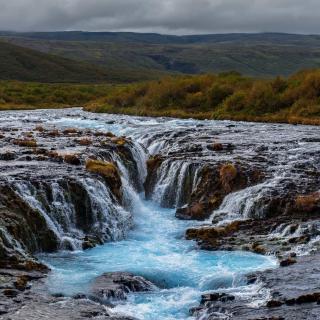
{"x": 10, "y": 293}
{"x": 287, "y": 262}
{"x": 72, "y": 159}
{"x": 294, "y": 291}
{"x": 216, "y": 147}
{"x": 274, "y": 304}
{"x": 7, "y": 156}
{"x": 214, "y": 184}
{"x": 116, "y": 285}
{"x": 197, "y": 211}
{"x": 91, "y": 242}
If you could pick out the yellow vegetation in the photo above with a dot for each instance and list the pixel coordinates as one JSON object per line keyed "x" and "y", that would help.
{"x": 224, "y": 96}
{"x": 103, "y": 168}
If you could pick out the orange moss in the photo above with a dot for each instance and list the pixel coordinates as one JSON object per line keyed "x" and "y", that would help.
{"x": 308, "y": 202}
{"x": 120, "y": 141}
{"x": 72, "y": 159}
{"x": 228, "y": 172}
{"x": 70, "y": 131}
{"x": 105, "y": 169}
{"x": 109, "y": 172}
{"x": 29, "y": 143}
{"x": 85, "y": 142}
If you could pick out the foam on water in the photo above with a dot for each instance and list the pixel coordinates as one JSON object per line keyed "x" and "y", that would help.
{"x": 155, "y": 249}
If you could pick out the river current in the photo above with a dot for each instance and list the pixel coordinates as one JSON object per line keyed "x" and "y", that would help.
{"x": 155, "y": 247}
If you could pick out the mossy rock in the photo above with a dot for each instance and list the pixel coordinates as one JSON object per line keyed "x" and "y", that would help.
{"x": 109, "y": 172}
{"x": 29, "y": 143}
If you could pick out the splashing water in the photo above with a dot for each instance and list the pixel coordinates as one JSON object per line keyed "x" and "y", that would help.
{"x": 155, "y": 247}
{"x": 156, "y": 250}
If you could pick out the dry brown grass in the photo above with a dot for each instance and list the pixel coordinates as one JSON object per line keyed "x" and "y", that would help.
{"x": 54, "y": 133}
{"x": 39, "y": 128}
{"x": 70, "y": 131}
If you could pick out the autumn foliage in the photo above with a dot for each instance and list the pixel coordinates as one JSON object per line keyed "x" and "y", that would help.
{"x": 224, "y": 96}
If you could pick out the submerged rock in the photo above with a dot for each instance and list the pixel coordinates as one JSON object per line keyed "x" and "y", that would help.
{"x": 116, "y": 286}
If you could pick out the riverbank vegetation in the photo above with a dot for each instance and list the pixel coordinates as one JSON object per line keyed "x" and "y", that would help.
{"x": 224, "y": 96}
{"x": 16, "y": 95}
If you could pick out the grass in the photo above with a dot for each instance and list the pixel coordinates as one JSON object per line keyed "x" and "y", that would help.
{"x": 32, "y": 64}
{"x": 224, "y": 96}
{"x": 15, "y": 95}
{"x": 133, "y": 57}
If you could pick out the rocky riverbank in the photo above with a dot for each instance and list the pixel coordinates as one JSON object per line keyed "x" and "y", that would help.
{"x": 47, "y": 191}
{"x": 49, "y": 179}
{"x": 24, "y": 296}
{"x": 247, "y": 203}
{"x": 67, "y": 189}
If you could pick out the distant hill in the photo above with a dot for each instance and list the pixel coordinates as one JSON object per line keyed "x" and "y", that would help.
{"x": 154, "y": 38}
{"x": 150, "y": 55}
{"x": 24, "y": 64}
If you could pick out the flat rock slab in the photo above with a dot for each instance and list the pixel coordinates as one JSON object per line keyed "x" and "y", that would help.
{"x": 116, "y": 286}
{"x": 62, "y": 309}
{"x": 24, "y": 296}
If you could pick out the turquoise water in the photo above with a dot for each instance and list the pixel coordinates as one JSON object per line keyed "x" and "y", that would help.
{"x": 155, "y": 249}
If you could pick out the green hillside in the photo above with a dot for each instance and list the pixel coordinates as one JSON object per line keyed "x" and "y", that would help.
{"x": 24, "y": 64}
{"x": 259, "y": 55}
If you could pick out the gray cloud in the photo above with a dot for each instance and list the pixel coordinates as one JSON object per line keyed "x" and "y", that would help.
{"x": 165, "y": 16}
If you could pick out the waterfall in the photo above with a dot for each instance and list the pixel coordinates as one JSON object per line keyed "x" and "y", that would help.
{"x": 110, "y": 219}
{"x": 54, "y": 200}
{"x": 79, "y": 206}
{"x": 247, "y": 203}
{"x": 176, "y": 180}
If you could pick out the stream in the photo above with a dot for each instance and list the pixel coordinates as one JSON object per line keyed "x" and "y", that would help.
{"x": 155, "y": 247}
{"x": 143, "y": 236}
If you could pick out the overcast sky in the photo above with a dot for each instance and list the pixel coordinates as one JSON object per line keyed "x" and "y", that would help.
{"x": 163, "y": 16}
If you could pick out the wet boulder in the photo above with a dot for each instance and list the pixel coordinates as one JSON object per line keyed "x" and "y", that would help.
{"x": 117, "y": 285}
{"x": 197, "y": 211}
{"x": 212, "y": 236}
